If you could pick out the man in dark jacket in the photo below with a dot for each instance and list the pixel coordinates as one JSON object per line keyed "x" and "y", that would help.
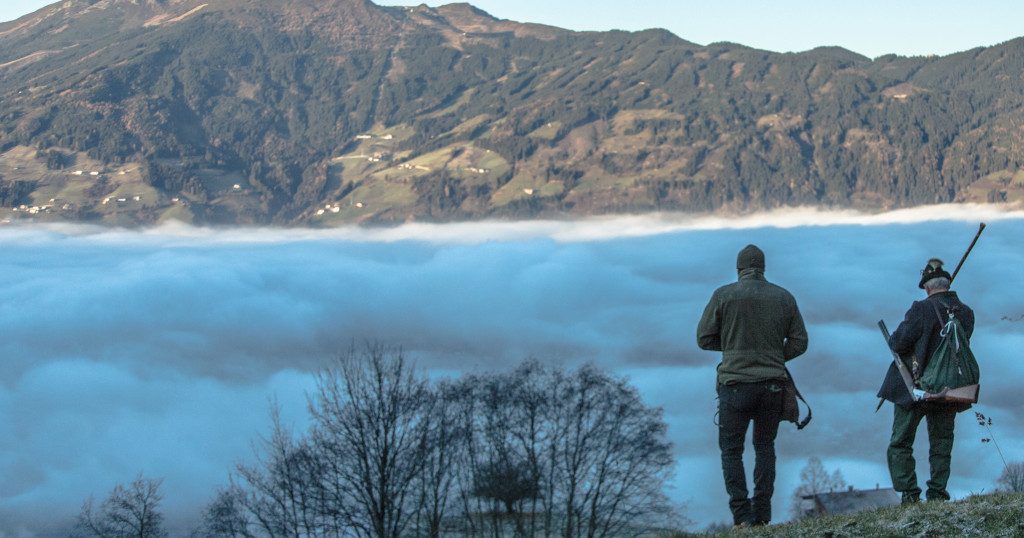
{"x": 757, "y": 327}
{"x": 915, "y": 340}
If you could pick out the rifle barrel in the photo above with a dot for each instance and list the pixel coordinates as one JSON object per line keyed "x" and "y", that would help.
{"x": 952, "y": 277}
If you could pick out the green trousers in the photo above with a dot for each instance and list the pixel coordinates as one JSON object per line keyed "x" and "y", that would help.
{"x": 940, "y": 448}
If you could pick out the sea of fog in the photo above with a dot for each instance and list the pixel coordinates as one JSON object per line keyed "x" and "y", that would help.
{"x": 159, "y": 351}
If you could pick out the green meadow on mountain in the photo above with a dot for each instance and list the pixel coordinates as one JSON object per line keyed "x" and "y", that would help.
{"x": 324, "y": 112}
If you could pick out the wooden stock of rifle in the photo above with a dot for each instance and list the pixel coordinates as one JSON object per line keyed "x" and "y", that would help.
{"x": 908, "y": 378}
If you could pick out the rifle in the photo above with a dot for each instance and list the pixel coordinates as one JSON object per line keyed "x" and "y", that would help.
{"x": 969, "y": 393}
{"x": 908, "y": 378}
{"x": 969, "y": 249}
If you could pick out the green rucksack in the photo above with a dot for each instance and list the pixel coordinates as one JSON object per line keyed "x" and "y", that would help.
{"x": 952, "y": 365}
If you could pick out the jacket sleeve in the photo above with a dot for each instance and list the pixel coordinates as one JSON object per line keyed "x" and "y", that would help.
{"x": 905, "y": 337}
{"x": 796, "y": 336}
{"x": 709, "y": 330}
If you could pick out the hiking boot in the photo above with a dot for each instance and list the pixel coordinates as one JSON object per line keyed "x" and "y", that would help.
{"x": 937, "y": 495}
{"x": 910, "y": 499}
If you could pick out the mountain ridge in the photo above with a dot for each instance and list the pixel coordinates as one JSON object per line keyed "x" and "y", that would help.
{"x": 319, "y": 113}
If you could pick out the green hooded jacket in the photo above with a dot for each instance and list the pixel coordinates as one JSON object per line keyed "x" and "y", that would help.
{"x": 757, "y": 327}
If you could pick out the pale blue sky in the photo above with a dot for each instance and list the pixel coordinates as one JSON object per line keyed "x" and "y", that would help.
{"x": 870, "y": 27}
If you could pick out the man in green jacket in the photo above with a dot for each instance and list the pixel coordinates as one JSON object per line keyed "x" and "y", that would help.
{"x": 757, "y": 327}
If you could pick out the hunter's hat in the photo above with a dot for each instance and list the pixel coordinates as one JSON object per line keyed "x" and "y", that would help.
{"x": 933, "y": 270}
{"x": 750, "y": 257}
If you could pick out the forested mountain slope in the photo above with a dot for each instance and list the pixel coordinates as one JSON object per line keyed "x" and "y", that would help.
{"x": 317, "y": 112}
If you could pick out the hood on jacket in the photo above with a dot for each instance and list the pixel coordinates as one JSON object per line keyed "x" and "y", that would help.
{"x": 750, "y": 257}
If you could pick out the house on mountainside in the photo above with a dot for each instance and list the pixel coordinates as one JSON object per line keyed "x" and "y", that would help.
{"x": 849, "y": 501}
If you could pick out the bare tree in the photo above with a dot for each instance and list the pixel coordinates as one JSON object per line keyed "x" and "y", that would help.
{"x": 372, "y": 433}
{"x": 507, "y": 482}
{"x": 378, "y": 461}
{"x": 1012, "y": 478}
{"x": 814, "y": 479}
{"x": 128, "y": 512}
{"x": 281, "y": 494}
{"x": 227, "y": 516}
{"x": 615, "y": 459}
{"x": 284, "y": 494}
{"x": 508, "y": 420}
{"x": 564, "y": 455}
{"x": 533, "y": 452}
{"x": 444, "y": 453}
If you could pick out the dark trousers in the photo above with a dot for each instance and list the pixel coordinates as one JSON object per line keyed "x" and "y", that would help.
{"x": 740, "y": 404}
{"x": 902, "y": 466}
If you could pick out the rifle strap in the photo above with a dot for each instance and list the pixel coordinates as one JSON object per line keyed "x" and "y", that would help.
{"x": 945, "y": 325}
{"x": 803, "y": 423}
{"x": 938, "y": 314}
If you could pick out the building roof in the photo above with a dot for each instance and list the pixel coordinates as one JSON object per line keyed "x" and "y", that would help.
{"x": 850, "y": 501}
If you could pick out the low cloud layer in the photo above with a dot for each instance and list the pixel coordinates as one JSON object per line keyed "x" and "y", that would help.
{"x": 157, "y": 351}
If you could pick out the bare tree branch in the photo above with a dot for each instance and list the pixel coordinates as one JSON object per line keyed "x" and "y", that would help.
{"x": 128, "y": 512}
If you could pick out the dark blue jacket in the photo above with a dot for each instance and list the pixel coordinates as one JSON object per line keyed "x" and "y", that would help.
{"x": 917, "y": 338}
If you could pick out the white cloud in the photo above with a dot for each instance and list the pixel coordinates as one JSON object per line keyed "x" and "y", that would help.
{"x": 175, "y": 233}
{"x": 156, "y": 351}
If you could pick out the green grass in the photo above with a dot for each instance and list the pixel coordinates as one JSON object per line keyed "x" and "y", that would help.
{"x": 463, "y": 100}
{"x": 996, "y": 515}
{"x": 428, "y": 162}
{"x": 631, "y": 115}
{"x": 475, "y": 158}
{"x": 221, "y": 182}
{"x": 178, "y": 212}
{"x": 516, "y": 188}
{"x": 375, "y": 195}
{"x": 547, "y": 131}
{"x": 600, "y": 181}
{"x": 64, "y": 186}
{"x": 469, "y": 125}
{"x": 1010, "y": 182}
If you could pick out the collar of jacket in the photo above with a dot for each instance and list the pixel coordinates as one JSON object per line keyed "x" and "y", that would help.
{"x": 943, "y": 295}
{"x": 752, "y": 273}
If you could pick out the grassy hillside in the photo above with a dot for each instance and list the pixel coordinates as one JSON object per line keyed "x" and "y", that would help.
{"x": 982, "y": 515}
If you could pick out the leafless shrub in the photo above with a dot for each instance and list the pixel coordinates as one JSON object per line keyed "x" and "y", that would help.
{"x": 128, "y": 512}
{"x": 1012, "y": 478}
{"x": 814, "y": 479}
